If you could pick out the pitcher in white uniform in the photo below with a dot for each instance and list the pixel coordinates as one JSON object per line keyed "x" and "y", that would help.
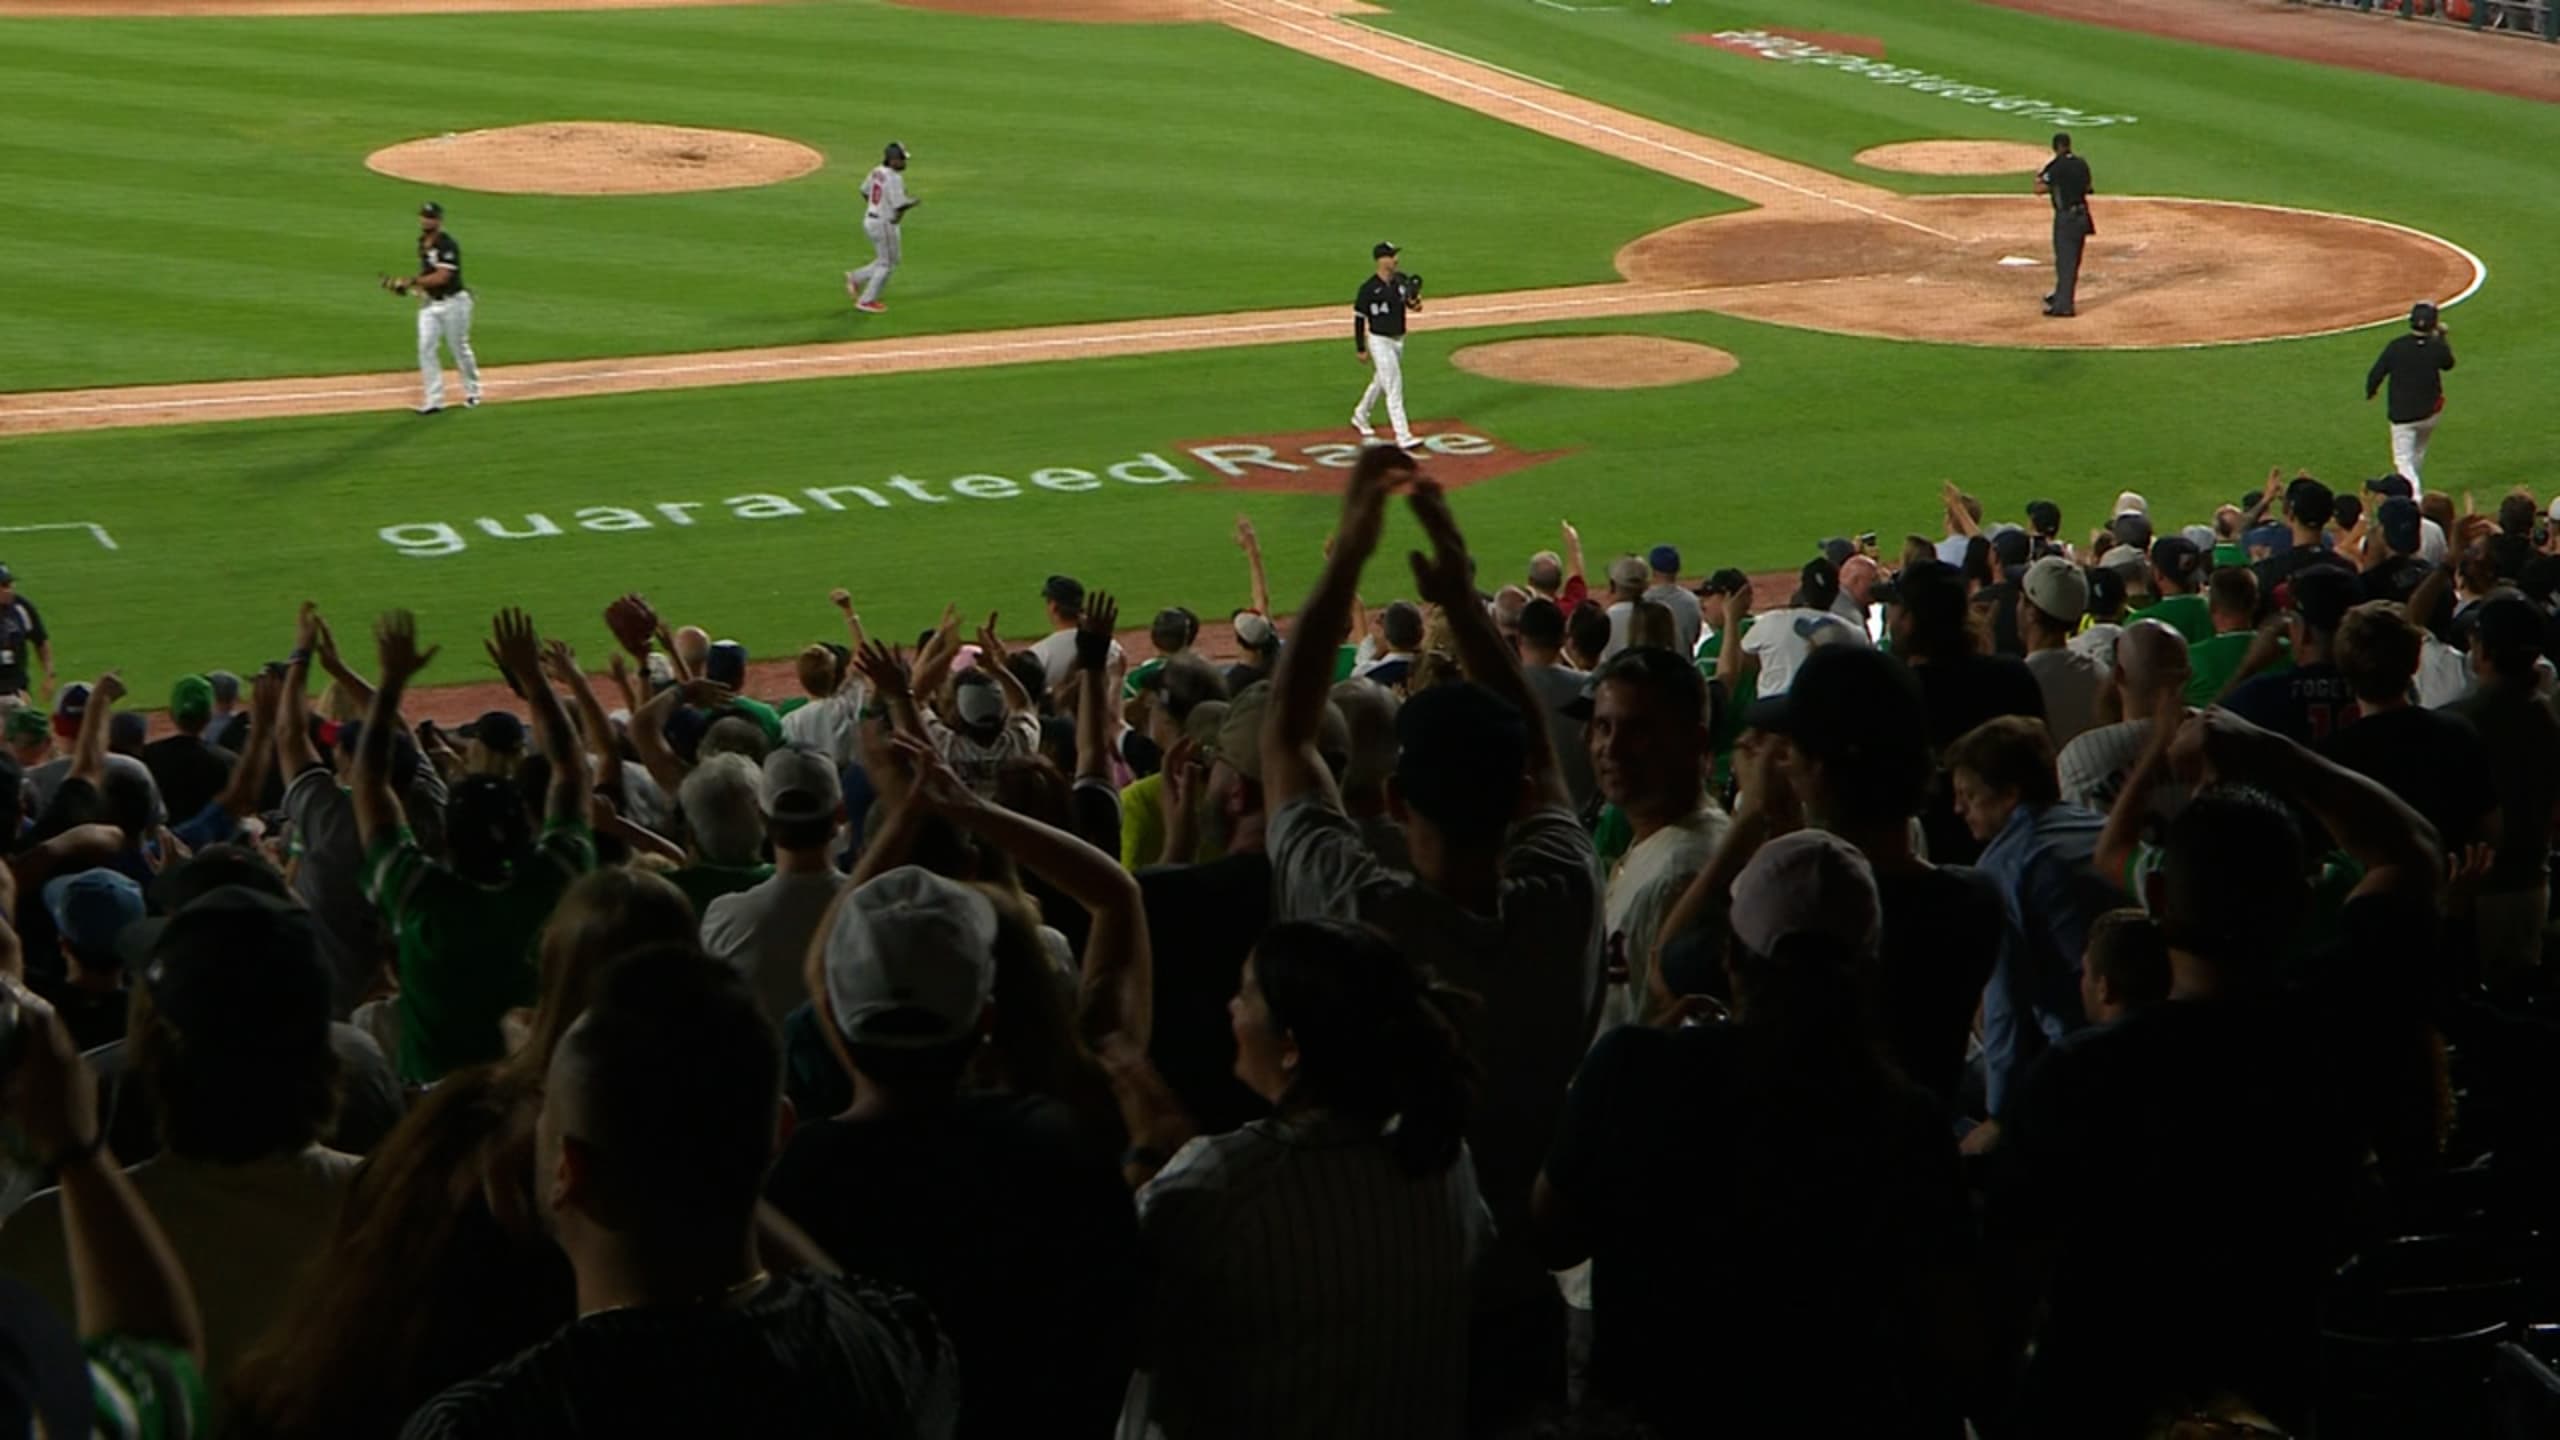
{"x": 1377, "y": 336}
{"x": 884, "y": 204}
{"x": 444, "y": 314}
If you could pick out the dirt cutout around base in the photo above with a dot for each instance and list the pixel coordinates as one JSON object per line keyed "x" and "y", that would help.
{"x": 1117, "y": 12}
{"x": 1956, "y": 157}
{"x": 2159, "y": 272}
{"x": 597, "y": 157}
{"x": 1596, "y": 362}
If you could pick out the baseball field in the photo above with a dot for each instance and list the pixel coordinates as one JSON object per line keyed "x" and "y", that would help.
{"x": 1123, "y": 313}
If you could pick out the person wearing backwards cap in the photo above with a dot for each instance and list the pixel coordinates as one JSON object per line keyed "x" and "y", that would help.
{"x": 1855, "y": 1223}
{"x": 2052, "y": 599}
{"x": 884, "y": 209}
{"x": 1377, "y": 337}
{"x": 189, "y": 769}
{"x": 2414, "y": 364}
{"x": 990, "y": 1204}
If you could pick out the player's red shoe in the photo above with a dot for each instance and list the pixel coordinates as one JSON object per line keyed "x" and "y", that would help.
{"x": 870, "y": 307}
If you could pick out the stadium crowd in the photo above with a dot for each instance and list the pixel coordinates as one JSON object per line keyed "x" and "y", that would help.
{"x": 2062, "y": 989}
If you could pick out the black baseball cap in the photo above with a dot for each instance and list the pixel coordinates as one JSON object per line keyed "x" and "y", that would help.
{"x": 2011, "y": 548}
{"x": 2106, "y": 589}
{"x": 2513, "y": 627}
{"x": 2177, "y": 557}
{"x": 235, "y": 966}
{"x": 2322, "y": 595}
{"x": 2391, "y": 487}
{"x": 500, "y": 730}
{"x": 1460, "y": 750}
{"x": 2133, "y": 528}
{"x": 1845, "y": 699}
{"x": 2044, "y": 517}
{"x": 1064, "y": 591}
{"x": 7, "y": 575}
{"x": 432, "y": 209}
{"x": 2422, "y": 316}
{"x": 2309, "y": 501}
{"x": 1381, "y": 250}
{"x": 1727, "y": 581}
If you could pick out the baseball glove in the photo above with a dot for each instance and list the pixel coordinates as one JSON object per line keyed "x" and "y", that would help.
{"x": 1411, "y": 283}
{"x": 396, "y": 284}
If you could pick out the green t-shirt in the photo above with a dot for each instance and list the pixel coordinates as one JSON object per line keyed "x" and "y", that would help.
{"x": 2227, "y": 554}
{"x": 767, "y": 719}
{"x": 2189, "y": 615}
{"x": 1613, "y": 836}
{"x": 703, "y": 884}
{"x": 144, "y": 1390}
{"x": 467, "y": 951}
{"x": 2211, "y": 665}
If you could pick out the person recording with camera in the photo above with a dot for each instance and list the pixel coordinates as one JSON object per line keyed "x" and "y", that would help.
{"x": 1377, "y": 337}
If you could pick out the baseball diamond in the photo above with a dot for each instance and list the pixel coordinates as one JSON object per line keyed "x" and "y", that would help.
{"x": 1859, "y": 791}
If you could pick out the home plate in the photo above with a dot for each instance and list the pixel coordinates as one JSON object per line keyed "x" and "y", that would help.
{"x": 2019, "y": 260}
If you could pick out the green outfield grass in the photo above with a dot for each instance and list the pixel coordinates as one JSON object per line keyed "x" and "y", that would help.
{"x": 223, "y": 528}
{"x": 1236, "y": 195}
{"x": 188, "y": 200}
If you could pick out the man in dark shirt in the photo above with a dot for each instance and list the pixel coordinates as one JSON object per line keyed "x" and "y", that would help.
{"x": 2162, "y": 1278}
{"x": 2431, "y": 758}
{"x": 2065, "y": 180}
{"x": 2308, "y": 508}
{"x": 2308, "y": 703}
{"x": 1931, "y": 626}
{"x": 189, "y": 769}
{"x": 651, "y": 1174}
{"x": 2521, "y": 733}
{"x": 22, "y": 633}
{"x": 2398, "y": 571}
{"x": 2414, "y": 364}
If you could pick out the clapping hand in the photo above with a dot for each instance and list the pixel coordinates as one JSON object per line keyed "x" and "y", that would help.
{"x": 516, "y": 646}
{"x": 936, "y": 786}
{"x": 1094, "y": 631}
{"x": 560, "y": 662}
{"x": 885, "y": 667}
{"x": 1442, "y": 575}
{"x": 395, "y": 646}
{"x": 1374, "y": 477}
{"x": 841, "y": 598}
{"x": 109, "y": 687}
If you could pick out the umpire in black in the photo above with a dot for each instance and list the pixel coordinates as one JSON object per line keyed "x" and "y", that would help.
{"x": 2065, "y": 179}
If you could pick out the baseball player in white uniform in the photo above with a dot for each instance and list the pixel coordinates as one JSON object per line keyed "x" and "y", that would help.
{"x": 884, "y": 204}
{"x": 1377, "y": 336}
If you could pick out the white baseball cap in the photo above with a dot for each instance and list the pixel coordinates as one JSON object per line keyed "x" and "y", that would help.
{"x": 1811, "y": 882}
{"x": 914, "y": 946}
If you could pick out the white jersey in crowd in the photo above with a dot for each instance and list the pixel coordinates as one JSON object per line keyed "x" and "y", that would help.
{"x": 1782, "y": 638}
{"x": 884, "y": 193}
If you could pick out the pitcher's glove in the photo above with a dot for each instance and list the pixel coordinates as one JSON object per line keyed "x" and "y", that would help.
{"x": 1411, "y": 284}
{"x": 396, "y": 284}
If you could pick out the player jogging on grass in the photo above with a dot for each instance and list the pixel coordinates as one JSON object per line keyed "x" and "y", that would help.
{"x": 1377, "y": 336}
{"x": 884, "y": 204}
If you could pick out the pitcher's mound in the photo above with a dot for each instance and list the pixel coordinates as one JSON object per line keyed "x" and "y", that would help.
{"x": 597, "y": 157}
{"x": 1596, "y": 362}
{"x": 1956, "y": 157}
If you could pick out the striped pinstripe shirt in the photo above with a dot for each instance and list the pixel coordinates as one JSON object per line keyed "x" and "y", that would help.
{"x": 1305, "y": 1287}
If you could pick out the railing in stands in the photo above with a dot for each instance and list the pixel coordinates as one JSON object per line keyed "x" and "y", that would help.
{"x": 2539, "y": 19}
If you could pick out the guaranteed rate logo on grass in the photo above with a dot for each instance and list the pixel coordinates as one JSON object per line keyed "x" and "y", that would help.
{"x": 1314, "y": 462}
{"x": 1790, "y": 50}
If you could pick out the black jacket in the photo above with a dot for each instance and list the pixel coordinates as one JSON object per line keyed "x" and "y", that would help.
{"x": 2414, "y": 364}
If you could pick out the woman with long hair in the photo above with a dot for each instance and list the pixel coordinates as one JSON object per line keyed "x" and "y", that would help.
{"x": 440, "y": 1268}
{"x": 1311, "y": 1269}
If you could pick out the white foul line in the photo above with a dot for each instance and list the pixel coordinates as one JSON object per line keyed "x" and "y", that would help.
{"x": 1602, "y": 298}
{"x": 96, "y": 532}
{"x": 1568, "y": 117}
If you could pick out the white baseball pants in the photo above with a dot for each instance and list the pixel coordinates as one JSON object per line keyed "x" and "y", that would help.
{"x": 1386, "y": 362}
{"x": 874, "y": 277}
{"x": 2409, "y": 449}
{"x": 446, "y": 321}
